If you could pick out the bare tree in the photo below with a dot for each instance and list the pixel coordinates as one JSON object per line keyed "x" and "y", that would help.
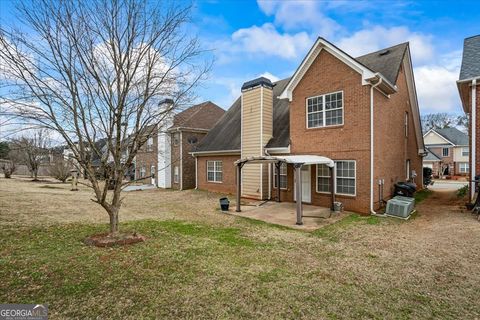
{"x": 100, "y": 69}
{"x": 437, "y": 121}
{"x": 33, "y": 150}
{"x": 8, "y": 168}
{"x": 60, "y": 170}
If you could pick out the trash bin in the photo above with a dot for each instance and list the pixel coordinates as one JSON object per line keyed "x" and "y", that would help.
{"x": 337, "y": 206}
{"x": 405, "y": 189}
{"x": 224, "y": 204}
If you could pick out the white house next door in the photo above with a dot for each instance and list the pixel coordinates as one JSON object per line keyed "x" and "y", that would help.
{"x": 306, "y": 184}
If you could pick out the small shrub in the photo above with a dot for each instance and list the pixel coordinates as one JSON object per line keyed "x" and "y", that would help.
{"x": 462, "y": 192}
{"x": 60, "y": 170}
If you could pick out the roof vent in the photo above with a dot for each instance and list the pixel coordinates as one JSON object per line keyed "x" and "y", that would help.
{"x": 384, "y": 52}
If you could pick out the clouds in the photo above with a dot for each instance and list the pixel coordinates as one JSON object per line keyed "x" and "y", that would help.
{"x": 267, "y": 40}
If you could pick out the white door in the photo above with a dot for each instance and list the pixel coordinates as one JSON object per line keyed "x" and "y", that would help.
{"x": 306, "y": 185}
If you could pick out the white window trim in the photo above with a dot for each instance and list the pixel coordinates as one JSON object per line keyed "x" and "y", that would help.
{"x": 215, "y": 171}
{"x": 275, "y": 176}
{"x": 316, "y": 180}
{"x": 448, "y": 152}
{"x": 324, "y": 110}
{"x": 466, "y": 167}
{"x": 406, "y": 124}
{"x": 463, "y": 151}
{"x": 150, "y": 144}
{"x": 176, "y": 175}
{"x": 336, "y": 177}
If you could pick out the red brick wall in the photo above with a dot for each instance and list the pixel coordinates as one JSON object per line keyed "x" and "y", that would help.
{"x": 147, "y": 159}
{"x": 351, "y": 141}
{"x": 477, "y": 133}
{"x": 391, "y": 147}
{"x": 228, "y": 184}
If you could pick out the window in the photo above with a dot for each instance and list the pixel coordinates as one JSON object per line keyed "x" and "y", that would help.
{"x": 283, "y": 176}
{"x": 465, "y": 152}
{"x": 150, "y": 144}
{"x": 176, "y": 138}
{"x": 406, "y": 124}
{"x": 323, "y": 178}
{"x": 345, "y": 177}
{"x": 142, "y": 172}
{"x": 445, "y": 152}
{"x": 324, "y": 111}
{"x": 176, "y": 174}
{"x": 345, "y": 183}
{"x": 152, "y": 171}
{"x": 214, "y": 171}
{"x": 407, "y": 173}
{"x": 464, "y": 168}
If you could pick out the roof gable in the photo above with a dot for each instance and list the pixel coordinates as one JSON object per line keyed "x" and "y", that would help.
{"x": 471, "y": 58}
{"x": 200, "y": 116}
{"x": 455, "y": 136}
{"x": 432, "y": 137}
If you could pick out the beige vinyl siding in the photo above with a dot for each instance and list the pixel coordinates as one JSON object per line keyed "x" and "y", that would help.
{"x": 255, "y": 176}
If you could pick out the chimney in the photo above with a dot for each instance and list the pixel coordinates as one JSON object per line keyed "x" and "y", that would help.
{"x": 257, "y": 130}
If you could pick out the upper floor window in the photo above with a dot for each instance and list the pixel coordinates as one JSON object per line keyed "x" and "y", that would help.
{"x": 445, "y": 152}
{"x": 150, "y": 144}
{"x": 176, "y": 138}
{"x": 406, "y": 124}
{"x": 325, "y": 110}
{"x": 283, "y": 176}
{"x": 465, "y": 152}
{"x": 214, "y": 171}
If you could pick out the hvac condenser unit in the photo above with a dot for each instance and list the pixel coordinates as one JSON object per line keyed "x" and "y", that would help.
{"x": 399, "y": 208}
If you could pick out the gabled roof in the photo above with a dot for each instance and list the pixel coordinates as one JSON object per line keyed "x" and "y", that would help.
{"x": 386, "y": 61}
{"x": 471, "y": 58}
{"x": 225, "y": 136}
{"x": 200, "y": 116}
{"x": 431, "y": 156}
{"x": 453, "y": 135}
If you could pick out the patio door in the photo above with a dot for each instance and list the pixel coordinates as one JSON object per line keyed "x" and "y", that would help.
{"x": 306, "y": 185}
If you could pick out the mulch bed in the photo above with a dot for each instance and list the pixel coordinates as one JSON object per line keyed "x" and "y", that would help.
{"x": 107, "y": 240}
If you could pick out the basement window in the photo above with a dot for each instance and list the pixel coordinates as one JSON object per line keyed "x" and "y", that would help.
{"x": 214, "y": 171}
{"x": 325, "y": 110}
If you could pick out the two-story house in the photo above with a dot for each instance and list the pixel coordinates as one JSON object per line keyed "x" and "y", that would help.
{"x": 164, "y": 159}
{"x": 469, "y": 89}
{"x": 342, "y": 125}
{"x": 449, "y": 152}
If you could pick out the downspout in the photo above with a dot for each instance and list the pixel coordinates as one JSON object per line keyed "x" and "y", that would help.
{"x": 473, "y": 122}
{"x": 196, "y": 172}
{"x": 372, "y": 211}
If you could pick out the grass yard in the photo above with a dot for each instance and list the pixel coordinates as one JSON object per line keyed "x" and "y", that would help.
{"x": 199, "y": 263}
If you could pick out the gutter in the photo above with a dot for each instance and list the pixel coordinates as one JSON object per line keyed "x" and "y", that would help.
{"x": 372, "y": 144}
{"x": 474, "y": 140}
{"x": 218, "y": 152}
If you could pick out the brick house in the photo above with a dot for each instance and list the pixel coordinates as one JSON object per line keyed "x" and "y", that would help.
{"x": 361, "y": 114}
{"x": 449, "y": 152}
{"x": 469, "y": 89}
{"x": 164, "y": 160}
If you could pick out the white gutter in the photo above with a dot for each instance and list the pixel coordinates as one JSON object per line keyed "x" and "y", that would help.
{"x": 371, "y": 144}
{"x": 473, "y": 144}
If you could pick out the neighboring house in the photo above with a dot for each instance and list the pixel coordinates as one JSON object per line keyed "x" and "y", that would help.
{"x": 448, "y": 152}
{"x": 188, "y": 129}
{"x": 362, "y": 113}
{"x": 166, "y": 153}
{"x": 469, "y": 89}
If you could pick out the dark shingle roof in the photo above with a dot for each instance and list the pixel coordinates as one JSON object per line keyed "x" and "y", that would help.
{"x": 471, "y": 58}
{"x": 386, "y": 61}
{"x": 431, "y": 156}
{"x": 226, "y": 133}
{"x": 454, "y": 135}
{"x": 200, "y": 116}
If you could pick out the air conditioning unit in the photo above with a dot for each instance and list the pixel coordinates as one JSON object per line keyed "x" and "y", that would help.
{"x": 399, "y": 208}
{"x": 407, "y": 199}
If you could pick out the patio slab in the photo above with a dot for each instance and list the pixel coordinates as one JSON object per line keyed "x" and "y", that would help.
{"x": 284, "y": 214}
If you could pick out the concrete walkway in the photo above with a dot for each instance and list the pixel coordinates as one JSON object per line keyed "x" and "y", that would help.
{"x": 447, "y": 185}
{"x": 284, "y": 214}
{"x": 140, "y": 187}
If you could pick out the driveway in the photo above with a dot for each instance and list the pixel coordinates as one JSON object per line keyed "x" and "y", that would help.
{"x": 447, "y": 185}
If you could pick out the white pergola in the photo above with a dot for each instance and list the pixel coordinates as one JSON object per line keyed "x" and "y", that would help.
{"x": 298, "y": 161}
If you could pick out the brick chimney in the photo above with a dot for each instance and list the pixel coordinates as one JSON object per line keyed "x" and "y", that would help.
{"x": 257, "y": 130}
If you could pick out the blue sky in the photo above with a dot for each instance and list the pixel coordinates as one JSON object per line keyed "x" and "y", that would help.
{"x": 270, "y": 38}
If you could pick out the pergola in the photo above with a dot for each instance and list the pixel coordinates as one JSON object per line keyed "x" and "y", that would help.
{"x": 298, "y": 161}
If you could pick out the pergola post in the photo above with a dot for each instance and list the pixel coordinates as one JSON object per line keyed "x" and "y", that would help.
{"x": 239, "y": 185}
{"x": 298, "y": 189}
{"x": 277, "y": 167}
{"x": 332, "y": 186}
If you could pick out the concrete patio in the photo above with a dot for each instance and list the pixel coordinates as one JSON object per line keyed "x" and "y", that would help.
{"x": 284, "y": 214}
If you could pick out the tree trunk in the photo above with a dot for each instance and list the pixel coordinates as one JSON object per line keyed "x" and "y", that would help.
{"x": 114, "y": 222}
